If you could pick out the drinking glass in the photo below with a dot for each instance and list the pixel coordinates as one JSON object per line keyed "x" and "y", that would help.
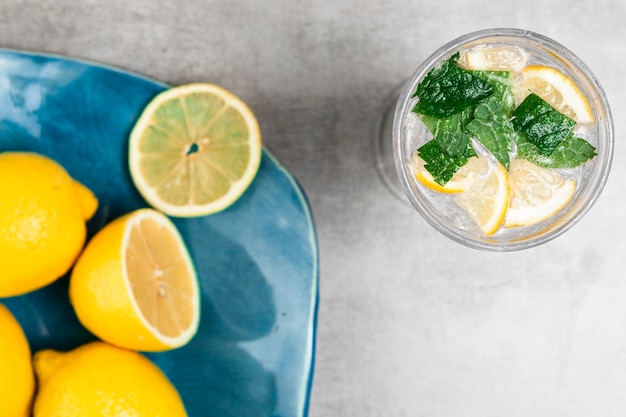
{"x": 409, "y": 133}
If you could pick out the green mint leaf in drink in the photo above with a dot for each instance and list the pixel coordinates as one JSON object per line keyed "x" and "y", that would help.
{"x": 441, "y": 165}
{"x": 449, "y": 89}
{"x": 450, "y": 133}
{"x": 541, "y": 124}
{"x": 492, "y": 127}
{"x": 502, "y": 82}
{"x": 455, "y": 144}
{"x": 571, "y": 152}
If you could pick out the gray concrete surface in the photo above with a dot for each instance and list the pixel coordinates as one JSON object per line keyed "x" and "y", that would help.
{"x": 410, "y": 323}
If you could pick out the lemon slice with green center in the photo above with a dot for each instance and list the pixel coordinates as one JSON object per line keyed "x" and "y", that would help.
{"x": 194, "y": 150}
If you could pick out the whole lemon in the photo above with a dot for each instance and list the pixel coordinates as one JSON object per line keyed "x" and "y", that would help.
{"x": 17, "y": 381}
{"x": 99, "y": 379}
{"x": 42, "y": 221}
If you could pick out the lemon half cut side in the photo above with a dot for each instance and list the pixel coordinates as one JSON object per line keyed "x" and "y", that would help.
{"x": 194, "y": 150}
{"x": 135, "y": 285}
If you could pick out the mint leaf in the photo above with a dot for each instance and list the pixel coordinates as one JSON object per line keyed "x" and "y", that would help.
{"x": 448, "y": 89}
{"x": 571, "y": 152}
{"x": 441, "y": 165}
{"x": 502, "y": 82}
{"x": 449, "y": 133}
{"x": 492, "y": 127}
{"x": 455, "y": 144}
{"x": 541, "y": 124}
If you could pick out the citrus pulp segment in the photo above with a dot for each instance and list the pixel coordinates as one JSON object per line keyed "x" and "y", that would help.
{"x": 536, "y": 193}
{"x": 557, "y": 89}
{"x": 494, "y": 58}
{"x": 485, "y": 199}
{"x": 135, "y": 285}
{"x": 194, "y": 150}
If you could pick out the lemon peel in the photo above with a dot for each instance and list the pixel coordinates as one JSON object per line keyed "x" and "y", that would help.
{"x": 17, "y": 381}
{"x": 101, "y": 380}
{"x": 42, "y": 216}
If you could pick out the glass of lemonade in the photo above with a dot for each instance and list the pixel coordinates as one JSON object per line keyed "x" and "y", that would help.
{"x": 502, "y": 139}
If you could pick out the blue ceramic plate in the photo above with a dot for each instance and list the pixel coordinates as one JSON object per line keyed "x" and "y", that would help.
{"x": 257, "y": 261}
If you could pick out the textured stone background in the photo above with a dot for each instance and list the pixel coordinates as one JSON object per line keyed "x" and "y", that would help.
{"x": 410, "y": 324}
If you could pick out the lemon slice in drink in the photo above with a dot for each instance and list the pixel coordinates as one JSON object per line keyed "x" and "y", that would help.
{"x": 555, "y": 88}
{"x": 485, "y": 197}
{"x": 461, "y": 180}
{"x": 455, "y": 185}
{"x": 135, "y": 285}
{"x": 194, "y": 150}
{"x": 535, "y": 193}
{"x": 494, "y": 58}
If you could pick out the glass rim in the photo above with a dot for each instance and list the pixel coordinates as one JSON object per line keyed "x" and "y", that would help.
{"x": 560, "y": 52}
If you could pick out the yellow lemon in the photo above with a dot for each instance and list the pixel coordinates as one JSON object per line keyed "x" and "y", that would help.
{"x": 194, "y": 150}
{"x": 536, "y": 193}
{"x": 101, "y": 380}
{"x": 135, "y": 285}
{"x": 17, "y": 381}
{"x": 42, "y": 221}
{"x": 485, "y": 198}
{"x": 557, "y": 89}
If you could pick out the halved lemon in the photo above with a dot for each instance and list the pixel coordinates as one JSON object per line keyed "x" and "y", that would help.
{"x": 536, "y": 193}
{"x": 494, "y": 58}
{"x": 557, "y": 89}
{"x": 194, "y": 150}
{"x": 135, "y": 284}
{"x": 485, "y": 198}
